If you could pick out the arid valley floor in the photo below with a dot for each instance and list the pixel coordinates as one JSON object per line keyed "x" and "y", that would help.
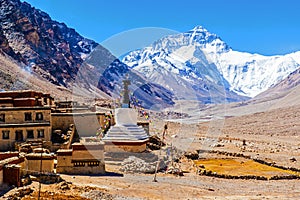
{"x": 271, "y": 135}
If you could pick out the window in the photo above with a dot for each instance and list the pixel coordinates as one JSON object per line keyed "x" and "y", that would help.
{"x": 2, "y": 117}
{"x": 30, "y": 134}
{"x": 5, "y": 134}
{"x": 79, "y": 164}
{"x": 19, "y": 135}
{"x": 92, "y": 164}
{"x": 39, "y": 116}
{"x": 41, "y": 133}
{"x": 28, "y": 117}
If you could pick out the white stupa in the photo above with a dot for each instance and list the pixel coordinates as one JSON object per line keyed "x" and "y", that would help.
{"x": 126, "y": 135}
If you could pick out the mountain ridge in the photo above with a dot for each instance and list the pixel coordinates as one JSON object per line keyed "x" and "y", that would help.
{"x": 49, "y": 50}
{"x": 192, "y": 65}
{"x": 47, "y": 47}
{"x": 243, "y": 73}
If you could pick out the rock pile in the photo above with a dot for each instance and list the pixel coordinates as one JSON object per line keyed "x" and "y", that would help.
{"x": 46, "y": 178}
{"x": 155, "y": 143}
{"x": 97, "y": 195}
{"x": 138, "y": 165}
{"x": 192, "y": 155}
{"x": 175, "y": 170}
{"x": 21, "y": 192}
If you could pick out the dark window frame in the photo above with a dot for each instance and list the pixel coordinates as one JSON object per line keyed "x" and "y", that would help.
{"x": 28, "y": 116}
{"x": 22, "y": 136}
{"x": 39, "y": 135}
{"x": 2, "y": 117}
{"x": 93, "y": 163}
{"x": 79, "y": 164}
{"x": 30, "y": 134}
{"x": 4, "y": 137}
{"x": 39, "y": 116}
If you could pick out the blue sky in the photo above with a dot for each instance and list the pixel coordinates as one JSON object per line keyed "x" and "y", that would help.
{"x": 267, "y": 27}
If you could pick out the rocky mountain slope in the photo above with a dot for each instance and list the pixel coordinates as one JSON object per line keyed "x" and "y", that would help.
{"x": 199, "y": 56}
{"x": 51, "y": 51}
{"x": 112, "y": 74}
{"x": 192, "y": 65}
{"x": 14, "y": 77}
{"x": 284, "y": 94}
{"x": 47, "y": 47}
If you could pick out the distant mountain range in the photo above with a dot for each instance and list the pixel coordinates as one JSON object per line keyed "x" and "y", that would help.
{"x": 200, "y": 58}
{"x": 194, "y": 65}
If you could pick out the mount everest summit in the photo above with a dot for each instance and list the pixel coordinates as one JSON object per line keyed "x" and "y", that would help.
{"x": 198, "y": 64}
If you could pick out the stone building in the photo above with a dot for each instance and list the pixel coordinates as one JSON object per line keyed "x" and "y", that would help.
{"x": 11, "y": 165}
{"x": 39, "y": 162}
{"x": 24, "y": 115}
{"x": 86, "y": 157}
{"x": 86, "y": 123}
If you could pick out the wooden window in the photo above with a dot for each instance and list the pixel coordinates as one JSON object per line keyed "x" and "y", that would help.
{"x": 92, "y": 164}
{"x": 39, "y": 116}
{"x": 79, "y": 164}
{"x": 28, "y": 116}
{"x": 5, "y": 135}
{"x": 30, "y": 134}
{"x": 41, "y": 133}
{"x": 19, "y": 135}
{"x": 2, "y": 117}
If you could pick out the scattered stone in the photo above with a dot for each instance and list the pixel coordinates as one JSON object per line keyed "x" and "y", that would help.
{"x": 21, "y": 192}
{"x": 192, "y": 155}
{"x": 293, "y": 159}
{"x": 97, "y": 195}
{"x": 155, "y": 143}
{"x": 26, "y": 181}
{"x": 202, "y": 166}
{"x": 244, "y": 142}
{"x": 138, "y": 165}
{"x": 174, "y": 170}
{"x": 64, "y": 185}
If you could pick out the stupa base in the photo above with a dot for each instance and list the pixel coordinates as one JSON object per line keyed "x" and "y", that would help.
{"x": 125, "y": 146}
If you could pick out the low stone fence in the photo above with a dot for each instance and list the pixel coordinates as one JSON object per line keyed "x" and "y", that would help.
{"x": 246, "y": 177}
{"x": 202, "y": 171}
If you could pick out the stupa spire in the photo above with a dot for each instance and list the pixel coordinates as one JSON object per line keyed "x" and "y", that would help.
{"x": 126, "y": 99}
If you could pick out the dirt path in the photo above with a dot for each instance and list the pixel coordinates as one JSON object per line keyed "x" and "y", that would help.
{"x": 190, "y": 186}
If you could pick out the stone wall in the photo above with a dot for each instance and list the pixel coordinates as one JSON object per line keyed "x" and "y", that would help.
{"x": 14, "y": 120}
{"x": 8, "y": 144}
{"x": 17, "y": 115}
{"x": 86, "y": 124}
{"x": 12, "y": 175}
{"x": 5, "y": 155}
{"x": 11, "y": 167}
{"x": 64, "y": 158}
{"x": 85, "y": 158}
{"x": 81, "y": 170}
{"x": 33, "y": 163}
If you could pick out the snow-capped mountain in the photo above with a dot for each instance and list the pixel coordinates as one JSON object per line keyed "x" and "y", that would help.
{"x": 199, "y": 63}
{"x": 251, "y": 74}
{"x": 178, "y": 63}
